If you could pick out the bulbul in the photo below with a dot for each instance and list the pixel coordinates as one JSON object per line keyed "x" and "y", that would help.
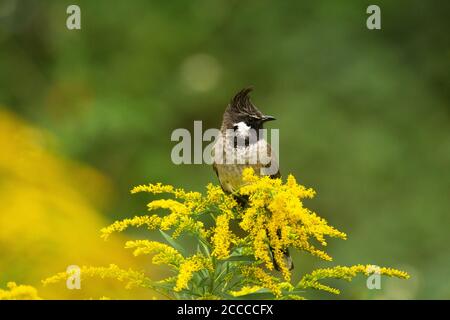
{"x": 242, "y": 140}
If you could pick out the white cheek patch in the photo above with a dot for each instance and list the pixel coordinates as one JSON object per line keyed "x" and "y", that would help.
{"x": 243, "y": 130}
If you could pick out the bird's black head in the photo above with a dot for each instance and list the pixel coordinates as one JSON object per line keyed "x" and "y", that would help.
{"x": 242, "y": 114}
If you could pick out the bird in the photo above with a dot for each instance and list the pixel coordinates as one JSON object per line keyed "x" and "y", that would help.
{"x": 241, "y": 136}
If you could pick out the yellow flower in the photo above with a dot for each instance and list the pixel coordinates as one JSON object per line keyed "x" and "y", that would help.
{"x": 261, "y": 248}
{"x": 277, "y": 219}
{"x": 159, "y": 188}
{"x": 248, "y": 218}
{"x": 154, "y": 188}
{"x": 216, "y": 197}
{"x": 214, "y": 194}
{"x": 311, "y": 280}
{"x": 222, "y": 237}
{"x": 179, "y": 218}
{"x": 52, "y": 211}
{"x": 245, "y": 290}
{"x": 174, "y": 206}
{"x": 273, "y": 219}
{"x": 187, "y": 269}
{"x": 152, "y": 222}
{"x": 164, "y": 254}
{"x": 131, "y": 277}
{"x": 18, "y": 292}
{"x": 188, "y": 224}
{"x": 262, "y": 279}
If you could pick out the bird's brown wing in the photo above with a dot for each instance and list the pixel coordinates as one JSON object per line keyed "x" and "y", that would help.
{"x": 215, "y": 170}
{"x": 273, "y": 161}
{"x": 276, "y": 175}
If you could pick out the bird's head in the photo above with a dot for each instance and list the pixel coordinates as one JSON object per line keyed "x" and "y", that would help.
{"x": 242, "y": 115}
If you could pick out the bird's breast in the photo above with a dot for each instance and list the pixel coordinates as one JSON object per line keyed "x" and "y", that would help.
{"x": 230, "y": 172}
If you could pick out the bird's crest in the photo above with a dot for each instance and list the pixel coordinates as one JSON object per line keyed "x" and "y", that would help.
{"x": 241, "y": 103}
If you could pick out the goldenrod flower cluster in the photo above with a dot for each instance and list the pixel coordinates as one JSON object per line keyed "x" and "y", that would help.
{"x": 245, "y": 290}
{"x": 164, "y": 254}
{"x": 181, "y": 217}
{"x": 263, "y": 278}
{"x": 346, "y": 273}
{"x": 222, "y": 237}
{"x": 187, "y": 269}
{"x": 237, "y": 245}
{"x": 130, "y": 277}
{"x": 276, "y": 218}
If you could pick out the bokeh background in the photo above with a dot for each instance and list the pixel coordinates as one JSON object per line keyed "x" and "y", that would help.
{"x": 363, "y": 117}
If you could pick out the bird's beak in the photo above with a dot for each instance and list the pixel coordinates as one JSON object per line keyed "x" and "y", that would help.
{"x": 267, "y": 118}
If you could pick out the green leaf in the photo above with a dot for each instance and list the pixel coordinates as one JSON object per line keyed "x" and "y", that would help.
{"x": 248, "y": 258}
{"x": 167, "y": 286}
{"x": 174, "y": 243}
{"x": 204, "y": 245}
{"x": 203, "y": 282}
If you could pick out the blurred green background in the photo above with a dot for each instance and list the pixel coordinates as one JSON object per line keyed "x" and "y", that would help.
{"x": 363, "y": 114}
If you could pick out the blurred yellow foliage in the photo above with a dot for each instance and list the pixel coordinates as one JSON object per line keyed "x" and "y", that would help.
{"x": 49, "y": 215}
{"x": 18, "y": 292}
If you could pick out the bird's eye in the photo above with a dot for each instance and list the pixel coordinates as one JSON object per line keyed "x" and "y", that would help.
{"x": 235, "y": 127}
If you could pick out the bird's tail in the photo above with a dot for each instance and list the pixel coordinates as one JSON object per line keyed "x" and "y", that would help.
{"x": 287, "y": 260}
